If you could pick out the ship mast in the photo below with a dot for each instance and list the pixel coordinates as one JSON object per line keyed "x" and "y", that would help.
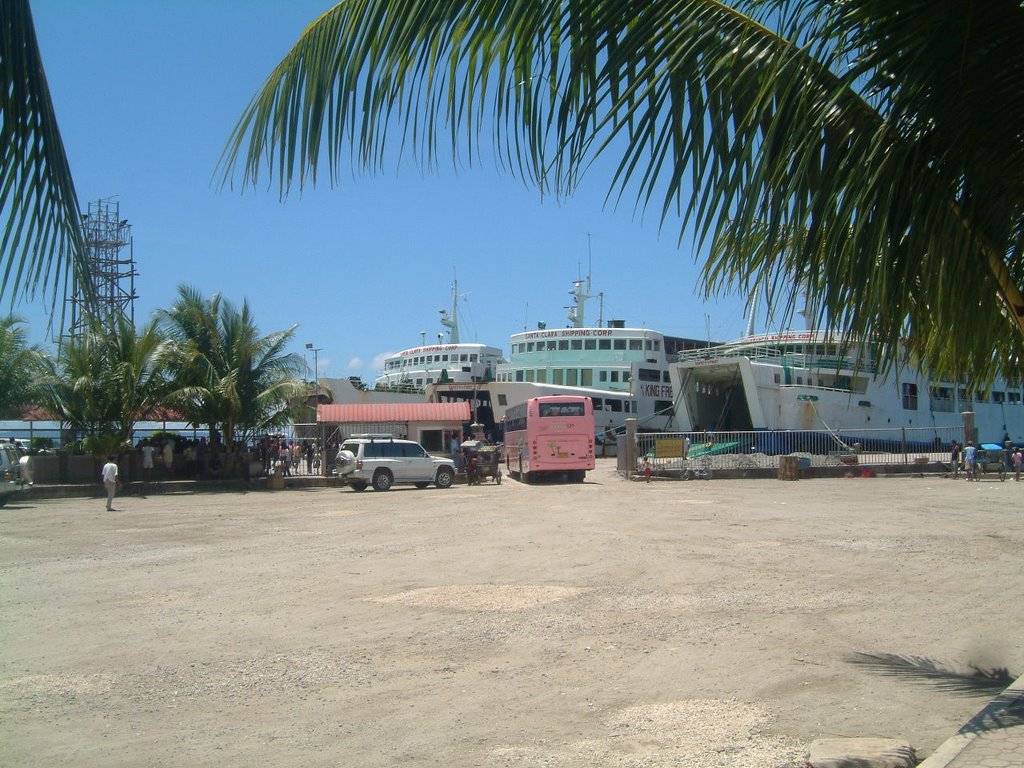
{"x": 451, "y": 322}
{"x": 579, "y": 297}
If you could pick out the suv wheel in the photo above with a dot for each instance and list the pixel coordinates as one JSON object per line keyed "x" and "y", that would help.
{"x": 383, "y": 480}
{"x": 445, "y": 478}
{"x": 358, "y": 485}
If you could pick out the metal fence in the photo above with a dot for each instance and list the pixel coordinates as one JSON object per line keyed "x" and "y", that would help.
{"x": 689, "y": 452}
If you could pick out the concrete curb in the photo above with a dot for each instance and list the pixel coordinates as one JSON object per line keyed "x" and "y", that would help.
{"x": 993, "y": 738}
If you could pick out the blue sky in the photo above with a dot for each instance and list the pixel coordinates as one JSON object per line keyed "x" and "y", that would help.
{"x": 147, "y": 94}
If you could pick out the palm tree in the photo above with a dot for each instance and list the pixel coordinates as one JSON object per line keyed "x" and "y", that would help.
{"x": 41, "y": 238}
{"x": 22, "y": 367}
{"x": 889, "y": 134}
{"x": 226, "y": 375}
{"x": 107, "y": 379}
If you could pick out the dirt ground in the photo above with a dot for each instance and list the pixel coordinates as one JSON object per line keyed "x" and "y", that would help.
{"x": 614, "y": 623}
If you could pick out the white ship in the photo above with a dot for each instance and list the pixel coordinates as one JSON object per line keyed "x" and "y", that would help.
{"x": 807, "y": 380}
{"x": 624, "y": 370}
{"x": 414, "y": 369}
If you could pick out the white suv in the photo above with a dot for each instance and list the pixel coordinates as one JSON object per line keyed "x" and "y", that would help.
{"x": 383, "y": 460}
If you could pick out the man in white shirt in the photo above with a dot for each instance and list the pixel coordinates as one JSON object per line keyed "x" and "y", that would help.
{"x": 109, "y": 475}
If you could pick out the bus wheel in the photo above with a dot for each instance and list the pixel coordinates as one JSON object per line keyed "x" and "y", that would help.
{"x": 579, "y": 476}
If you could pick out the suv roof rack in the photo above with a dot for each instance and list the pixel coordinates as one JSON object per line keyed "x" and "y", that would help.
{"x": 375, "y": 436}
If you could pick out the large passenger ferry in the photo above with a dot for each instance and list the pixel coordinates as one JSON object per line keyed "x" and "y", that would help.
{"x": 624, "y": 370}
{"x": 450, "y": 360}
{"x": 808, "y": 380}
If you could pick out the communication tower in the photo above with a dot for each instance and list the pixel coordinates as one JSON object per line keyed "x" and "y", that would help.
{"x": 111, "y": 268}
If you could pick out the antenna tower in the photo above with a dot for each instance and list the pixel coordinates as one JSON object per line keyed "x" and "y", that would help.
{"x": 111, "y": 268}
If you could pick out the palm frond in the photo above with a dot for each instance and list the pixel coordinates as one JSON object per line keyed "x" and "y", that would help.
{"x": 875, "y": 128}
{"x": 41, "y": 242}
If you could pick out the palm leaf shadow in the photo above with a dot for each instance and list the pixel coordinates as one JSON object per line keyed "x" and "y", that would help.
{"x": 970, "y": 681}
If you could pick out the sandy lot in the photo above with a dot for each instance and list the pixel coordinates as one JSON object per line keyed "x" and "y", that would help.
{"x": 613, "y": 623}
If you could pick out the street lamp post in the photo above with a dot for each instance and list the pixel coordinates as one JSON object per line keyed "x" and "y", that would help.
{"x": 316, "y": 367}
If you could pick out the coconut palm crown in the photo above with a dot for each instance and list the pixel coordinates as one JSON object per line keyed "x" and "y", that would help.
{"x": 889, "y": 135}
{"x": 225, "y": 374}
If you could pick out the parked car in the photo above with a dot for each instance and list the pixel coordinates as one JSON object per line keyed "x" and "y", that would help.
{"x": 11, "y": 469}
{"x": 383, "y": 460}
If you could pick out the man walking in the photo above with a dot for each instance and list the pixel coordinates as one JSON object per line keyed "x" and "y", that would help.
{"x": 110, "y": 475}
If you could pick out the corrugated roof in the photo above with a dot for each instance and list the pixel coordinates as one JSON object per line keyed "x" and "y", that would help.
{"x": 362, "y": 413}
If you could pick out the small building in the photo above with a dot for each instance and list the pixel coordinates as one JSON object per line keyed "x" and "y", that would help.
{"x": 432, "y": 425}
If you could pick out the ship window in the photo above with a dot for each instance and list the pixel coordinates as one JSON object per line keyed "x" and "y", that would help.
{"x": 820, "y": 350}
{"x": 571, "y": 375}
{"x": 778, "y": 379}
{"x": 1015, "y": 397}
{"x": 657, "y": 346}
{"x": 909, "y": 396}
{"x": 519, "y": 375}
{"x": 430, "y": 379}
{"x": 604, "y": 344}
{"x": 590, "y": 343}
{"x": 577, "y": 344}
{"x": 419, "y": 382}
{"x": 648, "y": 344}
{"x": 529, "y": 375}
{"x": 648, "y": 374}
{"x": 502, "y": 399}
{"x": 444, "y": 358}
{"x": 586, "y": 377}
{"x": 563, "y": 344}
{"x": 799, "y": 379}
{"x": 664, "y": 408}
{"x": 542, "y": 375}
{"x": 626, "y": 376}
{"x": 529, "y": 347}
{"x": 551, "y": 346}
{"x": 473, "y": 358}
{"x": 998, "y": 397}
{"x": 602, "y": 375}
{"x": 636, "y": 345}
{"x": 614, "y": 406}
{"x": 556, "y": 376}
{"x": 598, "y": 404}
{"x": 619, "y": 344}
{"x": 615, "y": 375}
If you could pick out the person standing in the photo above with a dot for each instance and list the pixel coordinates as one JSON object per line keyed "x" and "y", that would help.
{"x": 970, "y": 453}
{"x": 168, "y": 453}
{"x": 1017, "y": 458}
{"x": 110, "y": 479}
{"x": 954, "y": 458}
{"x": 647, "y": 469}
{"x": 147, "y": 460}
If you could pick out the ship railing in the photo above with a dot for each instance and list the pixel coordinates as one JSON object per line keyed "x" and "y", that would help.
{"x": 774, "y": 354}
{"x": 682, "y": 453}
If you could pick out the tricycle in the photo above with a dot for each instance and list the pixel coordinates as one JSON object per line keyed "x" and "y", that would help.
{"x": 991, "y": 458}
{"x": 483, "y": 460}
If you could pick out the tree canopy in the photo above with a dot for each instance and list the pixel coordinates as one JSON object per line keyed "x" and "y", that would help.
{"x": 871, "y": 151}
{"x": 225, "y": 373}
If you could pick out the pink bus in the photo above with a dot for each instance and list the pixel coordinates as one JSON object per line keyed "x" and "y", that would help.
{"x": 550, "y": 436}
